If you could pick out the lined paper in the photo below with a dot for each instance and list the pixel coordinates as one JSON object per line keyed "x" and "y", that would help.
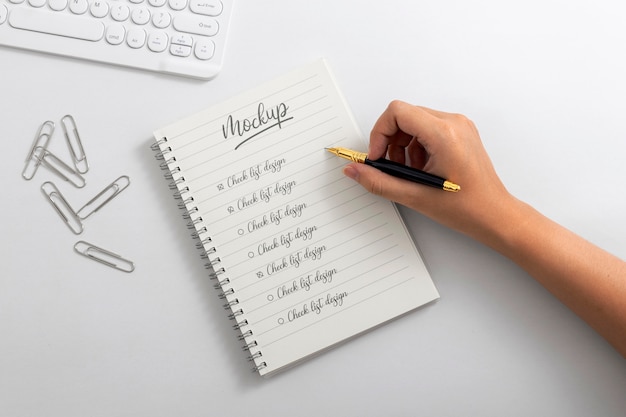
{"x": 310, "y": 257}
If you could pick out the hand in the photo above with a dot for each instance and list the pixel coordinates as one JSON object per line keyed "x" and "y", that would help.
{"x": 589, "y": 280}
{"x": 444, "y": 144}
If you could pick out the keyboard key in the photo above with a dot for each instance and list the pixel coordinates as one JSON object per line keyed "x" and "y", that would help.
{"x": 177, "y": 4}
{"x": 161, "y": 20}
{"x": 3, "y": 13}
{"x": 157, "y": 41}
{"x": 180, "y": 50}
{"x": 206, "y": 7}
{"x": 38, "y": 20}
{"x": 140, "y": 16}
{"x": 57, "y": 5}
{"x": 136, "y": 38}
{"x": 37, "y": 3}
{"x": 182, "y": 39}
{"x": 99, "y": 9}
{"x": 120, "y": 12}
{"x": 115, "y": 34}
{"x": 78, "y": 6}
{"x": 198, "y": 25}
{"x": 205, "y": 48}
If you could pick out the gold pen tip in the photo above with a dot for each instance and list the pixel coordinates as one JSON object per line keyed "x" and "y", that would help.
{"x": 348, "y": 154}
{"x": 334, "y": 151}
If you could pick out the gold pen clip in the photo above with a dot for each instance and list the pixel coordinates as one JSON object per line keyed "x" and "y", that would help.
{"x": 62, "y": 207}
{"x": 103, "y": 256}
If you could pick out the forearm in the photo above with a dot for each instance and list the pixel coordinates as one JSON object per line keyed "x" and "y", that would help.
{"x": 587, "y": 279}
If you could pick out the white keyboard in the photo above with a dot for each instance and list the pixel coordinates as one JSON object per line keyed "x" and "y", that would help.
{"x": 182, "y": 37}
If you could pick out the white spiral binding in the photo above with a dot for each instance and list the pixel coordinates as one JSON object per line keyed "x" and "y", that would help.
{"x": 217, "y": 272}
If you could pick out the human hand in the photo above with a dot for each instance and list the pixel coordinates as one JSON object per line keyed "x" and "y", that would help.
{"x": 587, "y": 279}
{"x": 444, "y": 144}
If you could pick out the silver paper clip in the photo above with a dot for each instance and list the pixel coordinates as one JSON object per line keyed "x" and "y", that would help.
{"x": 63, "y": 170}
{"x": 104, "y": 256}
{"x": 74, "y": 143}
{"x": 42, "y": 138}
{"x": 62, "y": 207}
{"x": 103, "y": 197}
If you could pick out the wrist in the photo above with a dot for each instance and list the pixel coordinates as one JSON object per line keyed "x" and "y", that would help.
{"x": 504, "y": 225}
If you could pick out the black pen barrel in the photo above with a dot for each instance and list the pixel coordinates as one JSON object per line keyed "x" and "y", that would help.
{"x": 405, "y": 172}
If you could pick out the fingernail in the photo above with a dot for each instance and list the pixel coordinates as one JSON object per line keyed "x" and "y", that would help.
{"x": 350, "y": 172}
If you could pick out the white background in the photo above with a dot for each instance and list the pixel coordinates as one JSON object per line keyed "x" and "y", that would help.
{"x": 543, "y": 81}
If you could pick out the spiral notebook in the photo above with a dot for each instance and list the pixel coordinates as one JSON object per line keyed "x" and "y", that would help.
{"x": 304, "y": 257}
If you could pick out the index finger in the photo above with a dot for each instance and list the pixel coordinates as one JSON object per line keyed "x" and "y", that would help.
{"x": 399, "y": 124}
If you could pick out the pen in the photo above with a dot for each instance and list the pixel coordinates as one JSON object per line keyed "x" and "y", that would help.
{"x": 396, "y": 169}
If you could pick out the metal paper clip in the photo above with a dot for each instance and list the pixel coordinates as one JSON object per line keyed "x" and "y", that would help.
{"x": 103, "y": 197}
{"x": 53, "y": 163}
{"x": 74, "y": 143}
{"x": 60, "y": 204}
{"x": 104, "y": 256}
{"x": 42, "y": 138}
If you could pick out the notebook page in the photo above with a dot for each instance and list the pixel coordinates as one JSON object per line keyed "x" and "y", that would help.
{"x": 311, "y": 258}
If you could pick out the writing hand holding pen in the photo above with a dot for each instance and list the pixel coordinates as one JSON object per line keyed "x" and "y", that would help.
{"x": 446, "y": 145}
{"x": 587, "y": 279}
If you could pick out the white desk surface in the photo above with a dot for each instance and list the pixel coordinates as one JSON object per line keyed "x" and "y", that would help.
{"x": 544, "y": 82}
